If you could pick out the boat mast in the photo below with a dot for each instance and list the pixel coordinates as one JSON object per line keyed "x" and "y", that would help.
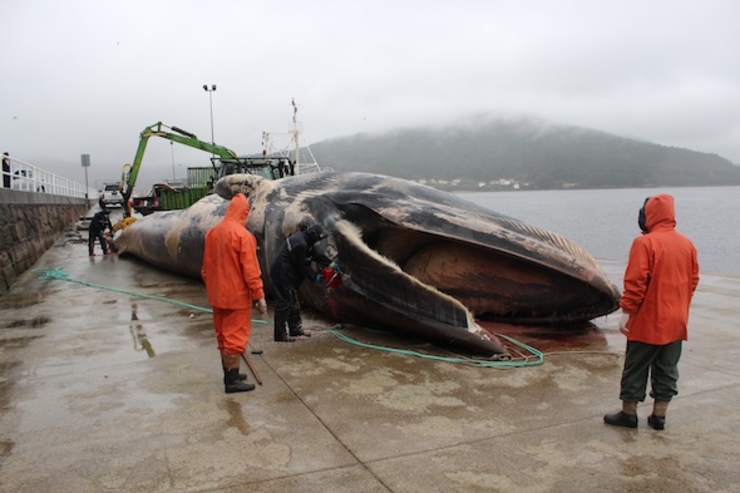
{"x": 296, "y": 138}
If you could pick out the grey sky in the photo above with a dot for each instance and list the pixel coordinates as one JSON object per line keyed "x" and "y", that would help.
{"x": 88, "y": 76}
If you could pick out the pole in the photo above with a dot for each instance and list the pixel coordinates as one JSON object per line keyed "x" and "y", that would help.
{"x": 210, "y": 91}
{"x": 252, "y": 369}
{"x": 296, "y": 136}
{"x": 210, "y": 105}
{"x": 172, "y": 148}
{"x": 85, "y": 159}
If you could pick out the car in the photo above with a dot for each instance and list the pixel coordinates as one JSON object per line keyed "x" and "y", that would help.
{"x": 111, "y": 194}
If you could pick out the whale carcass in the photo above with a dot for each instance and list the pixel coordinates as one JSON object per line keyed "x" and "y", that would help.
{"x": 414, "y": 259}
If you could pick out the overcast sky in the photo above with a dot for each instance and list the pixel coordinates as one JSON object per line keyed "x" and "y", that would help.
{"x": 85, "y": 77}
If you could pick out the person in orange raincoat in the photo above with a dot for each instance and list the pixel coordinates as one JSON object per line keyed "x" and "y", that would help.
{"x": 661, "y": 277}
{"x": 233, "y": 281}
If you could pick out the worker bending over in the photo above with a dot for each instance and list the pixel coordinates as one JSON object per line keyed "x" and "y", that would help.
{"x": 100, "y": 222}
{"x": 291, "y": 267}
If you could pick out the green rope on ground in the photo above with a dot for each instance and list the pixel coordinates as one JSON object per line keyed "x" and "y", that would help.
{"x": 59, "y": 274}
{"x": 538, "y": 355}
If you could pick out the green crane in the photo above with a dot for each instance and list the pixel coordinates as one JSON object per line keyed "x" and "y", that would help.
{"x": 131, "y": 171}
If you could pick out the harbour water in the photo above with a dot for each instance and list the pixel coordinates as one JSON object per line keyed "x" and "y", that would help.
{"x": 604, "y": 222}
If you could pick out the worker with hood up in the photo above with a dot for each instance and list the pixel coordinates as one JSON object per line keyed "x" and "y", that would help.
{"x": 661, "y": 277}
{"x": 233, "y": 281}
{"x": 292, "y": 265}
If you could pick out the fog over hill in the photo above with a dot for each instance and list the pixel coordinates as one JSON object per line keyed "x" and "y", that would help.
{"x": 526, "y": 150}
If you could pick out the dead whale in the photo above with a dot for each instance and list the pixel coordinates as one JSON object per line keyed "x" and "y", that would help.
{"x": 414, "y": 259}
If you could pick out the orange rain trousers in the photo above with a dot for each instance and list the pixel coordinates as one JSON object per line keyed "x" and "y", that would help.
{"x": 233, "y": 328}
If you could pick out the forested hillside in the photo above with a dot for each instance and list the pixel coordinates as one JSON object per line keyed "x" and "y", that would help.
{"x": 526, "y": 151}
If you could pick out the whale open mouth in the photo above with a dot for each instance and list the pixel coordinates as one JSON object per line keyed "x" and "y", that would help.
{"x": 435, "y": 286}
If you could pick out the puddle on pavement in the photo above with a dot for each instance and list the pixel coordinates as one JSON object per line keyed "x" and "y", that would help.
{"x": 236, "y": 417}
{"x": 35, "y": 322}
{"x": 21, "y": 300}
{"x": 16, "y": 342}
{"x": 6, "y": 449}
{"x": 5, "y": 383}
{"x": 201, "y": 329}
{"x": 152, "y": 335}
{"x": 139, "y": 334}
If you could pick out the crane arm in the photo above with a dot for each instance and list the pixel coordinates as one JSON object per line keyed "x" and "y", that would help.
{"x": 131, "y": 171}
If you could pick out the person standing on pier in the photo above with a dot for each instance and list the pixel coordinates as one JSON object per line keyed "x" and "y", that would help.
{"x": 659, "y": 282}
{"x": 6, "y": 170}
{"x": 233, "y": 281}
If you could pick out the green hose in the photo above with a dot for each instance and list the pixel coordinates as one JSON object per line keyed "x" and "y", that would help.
{"x": 481, "y": 363}
{"x": 59, "y": 274}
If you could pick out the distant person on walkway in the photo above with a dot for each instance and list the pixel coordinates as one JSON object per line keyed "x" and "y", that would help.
{"x": 100, "y": 222}
{"x": 292, "y": 265}
{"x": 6, "y": 170}
{"x": 661, "y": 277}
{"x": 233, "y": 281}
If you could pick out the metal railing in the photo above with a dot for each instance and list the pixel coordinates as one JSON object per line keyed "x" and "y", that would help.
{"x": 19, "y": 175}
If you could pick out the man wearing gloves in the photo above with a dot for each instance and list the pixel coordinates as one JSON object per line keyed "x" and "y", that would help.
{"x": 100, "y": 222}
{"x": 292, "y": 265}
{"x": 661, "y": 277}
{"x": 232, "y": 273}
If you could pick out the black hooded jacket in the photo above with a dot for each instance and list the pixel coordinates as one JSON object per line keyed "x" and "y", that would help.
{"x": 100, "y": 222}
{"x": 293, "y": 262}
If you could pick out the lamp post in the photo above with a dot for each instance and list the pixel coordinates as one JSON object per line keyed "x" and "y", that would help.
{"x": 172, "y": 148}
{"x": 210, "y": 104}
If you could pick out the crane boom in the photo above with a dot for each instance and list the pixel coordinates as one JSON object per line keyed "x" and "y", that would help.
{"x": 131, "y": 171}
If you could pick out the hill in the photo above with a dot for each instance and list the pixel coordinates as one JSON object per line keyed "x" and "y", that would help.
{"x": 525, "y": 151}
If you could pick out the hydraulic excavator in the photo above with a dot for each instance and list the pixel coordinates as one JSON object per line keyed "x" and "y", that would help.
{"x": 131, "y": 171}
{"x": 200, "y": 180}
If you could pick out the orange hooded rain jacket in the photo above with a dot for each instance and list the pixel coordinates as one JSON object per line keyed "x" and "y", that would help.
{"x": 660, "y": 279}
{"x": 230, "y": 269}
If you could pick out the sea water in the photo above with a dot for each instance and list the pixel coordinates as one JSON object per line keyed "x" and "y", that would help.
{"x": 604, "y": 222}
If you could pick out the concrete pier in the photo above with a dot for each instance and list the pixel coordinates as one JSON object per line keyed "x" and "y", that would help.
{"x": 104, "y": 390}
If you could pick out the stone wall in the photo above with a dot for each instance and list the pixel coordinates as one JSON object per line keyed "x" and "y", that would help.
{"x": 30, "y": 223}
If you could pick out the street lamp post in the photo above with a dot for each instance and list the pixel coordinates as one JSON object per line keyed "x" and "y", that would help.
{"x": 210, "y": 104}
{"x": 172, "y": 148}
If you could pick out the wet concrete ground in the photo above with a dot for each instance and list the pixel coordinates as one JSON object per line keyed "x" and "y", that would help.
{"x": 105, "y": 391}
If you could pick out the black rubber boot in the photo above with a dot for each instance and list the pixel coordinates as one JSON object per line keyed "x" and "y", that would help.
{"x": 299, "y": 332}
{"x": 281, "y": 334}
{"x": 657, "y": 419}
{"x": 242, "y": 376}
{"x": 295, "y": 322}
{"x": 233, "y": 384}
{"x": 621, "y": 419}
{"x": 657, "y": 422}
{"x": 284, "y": 338}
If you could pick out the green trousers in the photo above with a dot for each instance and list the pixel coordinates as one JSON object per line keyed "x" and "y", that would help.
{"x": 660, "y": 363}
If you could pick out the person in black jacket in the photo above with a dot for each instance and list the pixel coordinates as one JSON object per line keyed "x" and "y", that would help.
{"x": 6, "y": 170}
{"x": 291, "y": 267}
{"x": 100, "y": 222}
